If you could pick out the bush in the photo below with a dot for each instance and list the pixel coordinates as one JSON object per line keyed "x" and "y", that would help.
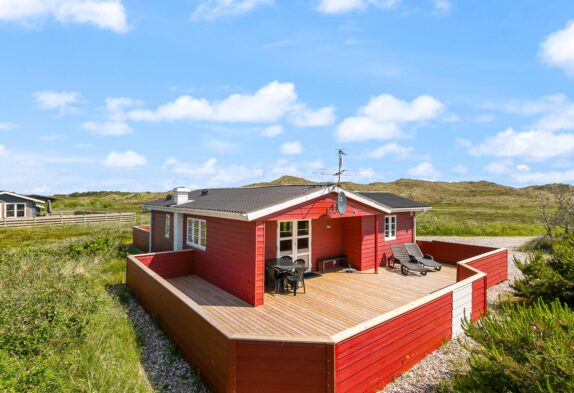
{"x": 523, "y": 348}
{"x": 549, "y": 278}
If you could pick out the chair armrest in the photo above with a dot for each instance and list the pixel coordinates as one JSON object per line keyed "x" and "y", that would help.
{"x": 427, "y": 256}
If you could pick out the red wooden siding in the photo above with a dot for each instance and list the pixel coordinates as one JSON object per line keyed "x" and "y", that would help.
{"x": 141, "y": 238}
{"x": 352, "y": 234}
{"x": 158, "y": 241}
{"x": 168, "y": 264}
{"x": 451, "y": 252}
{"x": 270, "y": 239}
{"x": 229, "y": 260}
{"x": 259, "y": 262}
{"x": 317, "y": 208}
{"x": 405, "y": 234}
{"x": 369, "y": 360}
{"x": 326, "y": 242}
{"x": 202, "y": 345}
{"x": 367, "y": 243}
{"x": 283, "y": 367}
{"x": 478, "y": 298}
{"x": 495, "y": 266}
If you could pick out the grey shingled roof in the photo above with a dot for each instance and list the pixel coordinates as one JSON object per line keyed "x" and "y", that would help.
{"x": 239, "y": 200}
{"x": 245, "y": 200}
{"x": 391, "y": 200}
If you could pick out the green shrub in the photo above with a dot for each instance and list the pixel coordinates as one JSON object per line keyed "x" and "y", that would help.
{"x": 522, "y": 348}
{"x": 548, "y": 278}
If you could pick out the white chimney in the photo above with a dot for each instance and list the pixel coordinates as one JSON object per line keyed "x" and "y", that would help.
{"x": 181, "y": 195}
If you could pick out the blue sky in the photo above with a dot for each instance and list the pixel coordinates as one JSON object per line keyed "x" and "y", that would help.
{"x": 133, "y": 95}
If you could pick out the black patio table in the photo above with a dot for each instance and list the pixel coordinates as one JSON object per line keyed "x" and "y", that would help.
{"x": 282, "y": 264}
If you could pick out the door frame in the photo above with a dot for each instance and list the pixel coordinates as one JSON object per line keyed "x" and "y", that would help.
{"x": 294, "y": 241}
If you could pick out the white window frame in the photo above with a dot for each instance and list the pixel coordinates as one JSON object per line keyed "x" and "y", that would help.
{"x": 15, "y": 215}
{"x": 167, "y": 226}
{"x": 190, "y": 233}
{"x": 392, "y": 235}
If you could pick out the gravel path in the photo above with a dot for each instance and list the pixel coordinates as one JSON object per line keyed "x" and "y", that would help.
{"x": 441, "y": 364}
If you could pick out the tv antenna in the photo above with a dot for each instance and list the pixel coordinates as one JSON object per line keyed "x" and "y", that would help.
{"x": 340, "y": 170}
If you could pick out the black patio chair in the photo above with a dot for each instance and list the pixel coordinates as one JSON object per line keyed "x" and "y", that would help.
{"x": 286, "y": 258}
{"x": 298, "y": 276}
{"x": 424, "y": 259}
{"x": 401, "y": 256}
{"x": 277, "y": 277}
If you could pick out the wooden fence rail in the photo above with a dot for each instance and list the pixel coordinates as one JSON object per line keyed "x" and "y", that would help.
{"x": 69, "y": 219}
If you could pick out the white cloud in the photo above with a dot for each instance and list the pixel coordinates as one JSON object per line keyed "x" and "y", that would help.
{"x": 342, "y": 6}
{"x": 305, "y": 169}
{"x": 558, "y": 49}
{"x": 211, "y": 10}
{"x": 303, "y": 117}
{"x": 60, "y": 100}
{"x": 128, "y": 159}
{"x": 269, "y": 104}
{"x": 209, "y": 173}
{"x": 535, "y": 145}
{"x": 499, "y": 167}
{"x": 2, "y": 150}
{"x": 460, "y": 169}
{"x": 393, "y": 150}
{"x": 272, "y": 131}
{"x": 105, "y": 14}
{"x": 545, "y": 177}
{"x": 364, "y": 173}
{"x": 116, "y": 117}
{"x": 384, "y": 115}
{"x": 7, "y": 126}
{"x": 294, "y": 147}
{"x": 108, "y": 127}
{"x": 424, "y": 170}
{"x": 442, "y": 6}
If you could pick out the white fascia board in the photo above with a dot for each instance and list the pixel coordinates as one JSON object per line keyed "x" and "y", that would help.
{"x": 305, "y": 198}
{"x": 411, "y": 209}
{"x": 21, "y": 196}
{"x": 197, "y": 212}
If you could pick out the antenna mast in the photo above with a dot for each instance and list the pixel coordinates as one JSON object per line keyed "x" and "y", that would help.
{"x": 341, "y": 170}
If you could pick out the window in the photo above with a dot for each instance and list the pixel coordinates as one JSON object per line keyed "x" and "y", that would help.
{"x": 167, "y": 226}
{"x": 390, "y": 227}
{"x": 15, "y": 210}
{"x": 196, "y": 233}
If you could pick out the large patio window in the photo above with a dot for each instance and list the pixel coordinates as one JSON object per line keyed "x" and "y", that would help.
{"x": 390, "y": 227}
{"x": 196, "y": 233}
{"x": 15, "y": 210}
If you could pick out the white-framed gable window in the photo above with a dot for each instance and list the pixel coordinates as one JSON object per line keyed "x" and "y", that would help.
{"x": 390, "y": 227}
{"x": 167, "y": 227}
{"x": 15, "y": 210}
{"x": 196, "y": 233}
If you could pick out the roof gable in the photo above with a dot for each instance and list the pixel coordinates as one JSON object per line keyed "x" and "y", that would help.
{"x": 14, "y": 195}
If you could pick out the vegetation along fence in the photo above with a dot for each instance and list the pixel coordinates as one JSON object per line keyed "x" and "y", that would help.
{"x": 69, "y": 219}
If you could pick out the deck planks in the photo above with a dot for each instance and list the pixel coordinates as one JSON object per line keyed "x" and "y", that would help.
{"x": 334, "y": 302}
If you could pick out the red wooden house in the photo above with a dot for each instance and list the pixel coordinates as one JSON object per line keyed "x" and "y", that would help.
{"x": 204, "y": 274}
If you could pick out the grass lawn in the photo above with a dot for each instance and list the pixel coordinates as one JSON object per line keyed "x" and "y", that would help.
{"x": 64, "y": 325}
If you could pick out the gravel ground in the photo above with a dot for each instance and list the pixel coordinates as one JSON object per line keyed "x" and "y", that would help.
{"x": 442, "y": 363}
{"x": 164, "y": 368}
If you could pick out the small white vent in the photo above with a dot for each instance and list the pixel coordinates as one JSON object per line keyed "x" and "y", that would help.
{"x": 181, "y": 195}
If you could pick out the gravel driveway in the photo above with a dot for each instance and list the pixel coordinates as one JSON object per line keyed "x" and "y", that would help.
{"x": 440, "y": 364}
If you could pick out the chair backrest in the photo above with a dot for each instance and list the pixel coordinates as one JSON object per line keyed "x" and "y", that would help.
{"x": 287, "y": 258}
{"x": 270, "y": 270}
{"x": 400, "y": 252}
{"x": 299, "y": 262}
{"x": 414, "y": 250}
{"x": 300, "y": 272}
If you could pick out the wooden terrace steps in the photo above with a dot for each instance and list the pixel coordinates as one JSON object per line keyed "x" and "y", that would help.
{"x": 334, "y": 302}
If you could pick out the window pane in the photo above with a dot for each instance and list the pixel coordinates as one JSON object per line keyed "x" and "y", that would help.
{"x": 10, "y": 210}
{"x": 21, "y": 210}
{"x": 303, "y": 228}
{"x": 196, "y": 232}
{"x": 285, "y": 229}
{"x": 285, "y": 245}
{"x": 303, "y": 244}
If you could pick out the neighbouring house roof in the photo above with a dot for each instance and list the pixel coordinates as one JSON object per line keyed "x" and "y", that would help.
{"x": 249, "y": 203}
{"x": 21, "y": 196}
{"x": 392, "y": 200}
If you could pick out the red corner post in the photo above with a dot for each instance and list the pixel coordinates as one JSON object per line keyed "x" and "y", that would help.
{"x": 376, "y": 243}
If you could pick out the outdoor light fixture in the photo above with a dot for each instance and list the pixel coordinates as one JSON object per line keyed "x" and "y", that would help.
{"x": 328, "y": 226}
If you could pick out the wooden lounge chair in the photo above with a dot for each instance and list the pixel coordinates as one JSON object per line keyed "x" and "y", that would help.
{"x": 400, "y": 255}
{"x": 424, "y": 259}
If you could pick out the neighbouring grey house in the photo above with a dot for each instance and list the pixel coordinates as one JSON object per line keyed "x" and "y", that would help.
{"x": 14, "y": 206}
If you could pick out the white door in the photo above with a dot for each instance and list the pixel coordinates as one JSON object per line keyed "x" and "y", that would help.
{"x": 294, "y": 240}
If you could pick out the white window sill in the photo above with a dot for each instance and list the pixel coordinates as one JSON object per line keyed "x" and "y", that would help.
{"x": 197, "y": 247}
{"x": 390, "y": 238}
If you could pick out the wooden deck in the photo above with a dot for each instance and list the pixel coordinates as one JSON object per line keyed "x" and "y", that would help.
{"x": 333, "y": 303}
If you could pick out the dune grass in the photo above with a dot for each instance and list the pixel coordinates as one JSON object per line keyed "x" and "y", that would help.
{"x": 62, "y": 328}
